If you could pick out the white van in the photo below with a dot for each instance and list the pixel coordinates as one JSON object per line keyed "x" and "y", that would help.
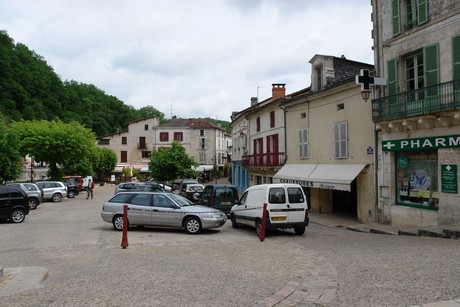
{"x": 286, "y": 207}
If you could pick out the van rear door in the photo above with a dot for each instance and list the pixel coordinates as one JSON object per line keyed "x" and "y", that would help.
{"x": 297, "y": 204}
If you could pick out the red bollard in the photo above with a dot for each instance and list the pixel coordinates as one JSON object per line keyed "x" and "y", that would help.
{"x": 124, "y": 240}
{"x": 262, "y": 224}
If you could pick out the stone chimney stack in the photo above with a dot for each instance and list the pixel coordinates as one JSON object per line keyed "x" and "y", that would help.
{"x": 254, "y": 101}
{"x": 278, "y": 90}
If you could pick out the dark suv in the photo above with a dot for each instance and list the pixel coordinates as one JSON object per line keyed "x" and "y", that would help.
{"x": 219, "y": 196}
{"x": 14, "y": 204}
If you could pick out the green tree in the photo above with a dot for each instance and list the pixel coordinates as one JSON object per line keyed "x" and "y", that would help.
{"x": 60, "y": 145}
{"x": 105, "y": 160}
{"x": 10, "y": 158}
{"x": 149, "y": 111}
{"x": 171, "y": 163}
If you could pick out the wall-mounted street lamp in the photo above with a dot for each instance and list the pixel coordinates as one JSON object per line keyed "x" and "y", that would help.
{"x": 365, "y": 95}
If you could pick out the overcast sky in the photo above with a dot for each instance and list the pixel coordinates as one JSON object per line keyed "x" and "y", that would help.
{"x": 189, "y": 58}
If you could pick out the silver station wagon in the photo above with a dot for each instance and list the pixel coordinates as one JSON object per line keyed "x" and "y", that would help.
{"x": 161, "y": 210}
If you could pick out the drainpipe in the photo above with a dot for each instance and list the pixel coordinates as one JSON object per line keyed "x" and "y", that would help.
{"x": 376, "y": 144}
{"x": 285, "y": 133}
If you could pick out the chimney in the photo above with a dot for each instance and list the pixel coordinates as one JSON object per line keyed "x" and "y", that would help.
{"x": 278, "y": 90}
{"x": 254, "y": 101}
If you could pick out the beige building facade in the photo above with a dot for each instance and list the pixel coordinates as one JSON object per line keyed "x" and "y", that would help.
{"x": 329, "y": 140}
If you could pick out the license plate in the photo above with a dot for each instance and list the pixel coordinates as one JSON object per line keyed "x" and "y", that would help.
{"x": 225, "y": 203}
{"x": 278, "y": 218}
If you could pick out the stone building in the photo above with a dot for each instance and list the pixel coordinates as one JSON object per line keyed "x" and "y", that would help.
{"x": 417, "y": 113}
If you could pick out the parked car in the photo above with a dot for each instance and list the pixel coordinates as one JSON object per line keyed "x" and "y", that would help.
{"x": 73, "y": 188}
{"x": 161, "y": 209}
{"x": 33, "y": 192}
{"x": 76, "y": 179}
{"x": 286, "y": 207}
{"x": 219, "y": 196}
{"x": 138, "y": 186}
{"x": 185, "y": 181}
{"x": 52, "y": 190}
{"x": 14, "y": 204}
{"x": 192, "y": 191}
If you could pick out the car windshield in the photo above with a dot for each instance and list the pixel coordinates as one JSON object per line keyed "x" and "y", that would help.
{"x": 181, "y": 201}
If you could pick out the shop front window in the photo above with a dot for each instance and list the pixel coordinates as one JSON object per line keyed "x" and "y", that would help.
{"x": 417, "y": 179}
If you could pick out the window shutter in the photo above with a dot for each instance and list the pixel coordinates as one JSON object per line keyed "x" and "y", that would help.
{"x": 431, "y": 61}
{"x": 392, "y": 77}
{"x": 396, "y": 17}
{"x": 456, "y": 57}
{"x": 422, "y": 17}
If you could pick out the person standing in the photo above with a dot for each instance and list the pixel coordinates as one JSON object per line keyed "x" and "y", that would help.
{"x": 89, "y": 189}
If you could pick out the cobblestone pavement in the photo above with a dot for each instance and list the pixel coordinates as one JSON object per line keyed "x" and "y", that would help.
{"x": 328, "y": 266}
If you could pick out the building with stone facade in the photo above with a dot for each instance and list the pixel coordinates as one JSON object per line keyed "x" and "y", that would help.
{"x": 417, "y": 113}
{"x": 208, "y": 144}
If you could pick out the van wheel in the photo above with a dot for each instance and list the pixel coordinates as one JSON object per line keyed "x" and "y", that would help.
{"x": 258, "y": 227}
{"x": 299, "y": 230}
{"x": 234, "y": 223}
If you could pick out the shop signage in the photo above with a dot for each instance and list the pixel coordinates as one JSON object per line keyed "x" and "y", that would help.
{"x": 403, "y": 162}
{"x": 422, "y": 143}
{"x": 449, "y": 178}
{"x": 318, "y": 185}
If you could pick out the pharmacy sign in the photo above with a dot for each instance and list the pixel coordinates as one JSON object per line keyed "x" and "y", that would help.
{"x": 427, "y": 143}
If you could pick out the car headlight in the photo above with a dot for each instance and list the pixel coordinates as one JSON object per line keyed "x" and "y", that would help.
{"x": 216, "y": 215}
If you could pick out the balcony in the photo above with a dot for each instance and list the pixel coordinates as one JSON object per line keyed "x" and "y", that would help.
{"x": 264, "y": 160}
{"x": 425, "y": 101}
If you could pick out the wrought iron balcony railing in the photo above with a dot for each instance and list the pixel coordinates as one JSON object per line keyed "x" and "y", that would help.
{"x": 425, "y": 101}
{"x": 265, "y": 159}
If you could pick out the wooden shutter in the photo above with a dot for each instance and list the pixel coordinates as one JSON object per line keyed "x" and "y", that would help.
{"x": 422, "y": 16}
{"x": 392, "y": 77}
{"x": 396, "y": 17}
{"x": 431, "y": 64}
{"x": 456, "y": 57}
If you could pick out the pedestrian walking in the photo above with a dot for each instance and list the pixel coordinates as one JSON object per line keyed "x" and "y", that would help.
{"x": 89, "y": 189}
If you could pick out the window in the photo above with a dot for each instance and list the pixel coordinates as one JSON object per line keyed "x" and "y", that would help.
{"x": 303, "y": 143}
{"x": 142, "y": 144}
{"x": 103, "y": 142}
{"x": 141, "y": 200}
{"x": 258, "y": 124}
{"x": 124, "y": 140}
{"x": 123, "y": 156}
{"x": 146, "y": 127}
{"x": 272, "y": 119}
{"x": 414, "y": 71}
{"x": 161, "y": 201}
{"x": 411, "y": 12}
{"x": 319, "y": 77}
{"x": 202, "y": 144}
{"x": 146, "y": 154}
{"x": 178, "y": 136}
{"x": 341, "y": 140}
{"x": 164, "y": 136}
{"x": 202, "y": 157}
{"x": 201, "y": 132}
{"x": 277, "y": 196}
{"x": 340, "y": 106}
{"x": 417, "y": 179}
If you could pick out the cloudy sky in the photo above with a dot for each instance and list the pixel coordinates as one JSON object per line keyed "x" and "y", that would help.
{"x": 189, "y": 58}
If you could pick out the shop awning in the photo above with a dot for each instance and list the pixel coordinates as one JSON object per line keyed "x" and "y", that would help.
{"x": 320, "y": 176}
{"x": 119, "y": 168}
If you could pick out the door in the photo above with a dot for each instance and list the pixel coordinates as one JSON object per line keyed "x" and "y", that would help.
{"x": 297, "y": 204}
{"x": 165, "y": 212}
{"x": 140, "y": 209}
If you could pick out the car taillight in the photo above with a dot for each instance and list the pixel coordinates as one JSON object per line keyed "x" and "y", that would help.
{"x": 306, "y": 213}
